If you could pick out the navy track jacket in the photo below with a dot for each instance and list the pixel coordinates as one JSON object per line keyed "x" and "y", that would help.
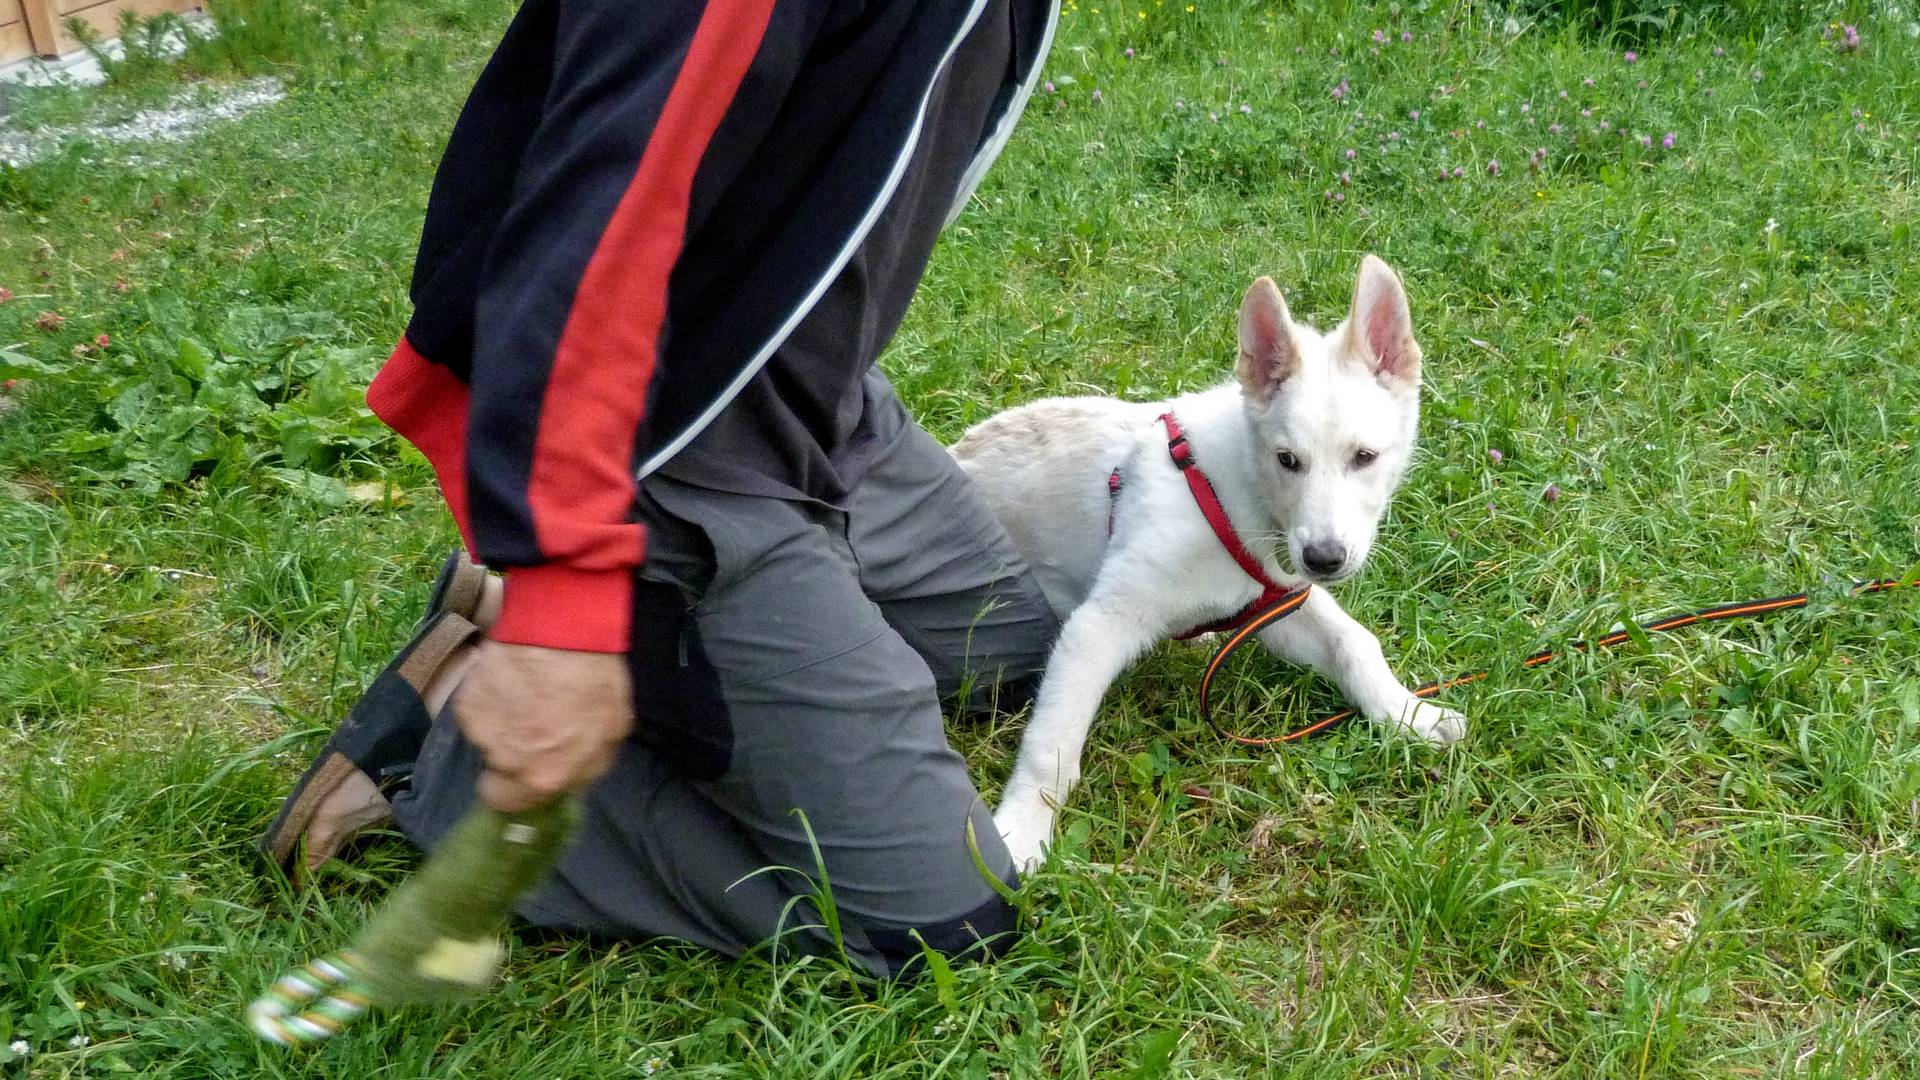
{"x": 639, "y": 201}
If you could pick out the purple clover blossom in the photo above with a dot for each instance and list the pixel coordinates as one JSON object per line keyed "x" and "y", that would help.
{"x": 1379, "y": 37}
{"x": 1587, "y": 82}
{"x": 1096, "y": 96}
{"x": 1339, "y": 196}
{"x": 1718, "y": 51}
{"x": 1493, "y": 167}
{"x": 1496, "y": 456}
{"x": 1413, "y": 114}
{"x": 1406, "y": 35}
{"x": 1393, "y": 136}
{"x": 1351, "y": 154}
{"x": 1047, "y": 86}
{"x": 1128, "y": 54}
{"x": 1340, "y": 91}
{"x": 1631, "y": 56}
{"x": 1459, "y": 172}
{"x": 1553, "y": 129}
{"x": 1563, "y": 95}
{"x": 1667, "y": 143}
{"x": 1346, "y": 179}
{"x": 1551, "y": 494}
{"x": 1646, "y": 141}
{"x": 1246, "y": 110}
{"x": 1214, "y": 116}
{"x": 1850, "y": 38}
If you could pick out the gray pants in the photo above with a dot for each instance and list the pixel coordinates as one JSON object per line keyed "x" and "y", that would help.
{"x": 793, "y": 662}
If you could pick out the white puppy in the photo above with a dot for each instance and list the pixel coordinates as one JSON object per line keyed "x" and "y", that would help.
{"x": 1304, "y": 450}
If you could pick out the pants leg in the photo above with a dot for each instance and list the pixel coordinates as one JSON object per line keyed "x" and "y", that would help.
{"x": 945, "y": 574}
{"x": 779, "y": 712}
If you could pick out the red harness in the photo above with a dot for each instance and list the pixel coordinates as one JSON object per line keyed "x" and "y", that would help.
{"x": 1272, "y": 593}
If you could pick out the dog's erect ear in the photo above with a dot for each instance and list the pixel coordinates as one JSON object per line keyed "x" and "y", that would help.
{"x": 1380, "y": 328}
{"x": 1268, "y": 355}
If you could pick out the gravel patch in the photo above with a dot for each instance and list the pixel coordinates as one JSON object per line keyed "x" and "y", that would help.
{"x": 189, "y": 113}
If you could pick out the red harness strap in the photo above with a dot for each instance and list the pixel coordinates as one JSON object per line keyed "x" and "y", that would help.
{"x": 1272, "y": 592}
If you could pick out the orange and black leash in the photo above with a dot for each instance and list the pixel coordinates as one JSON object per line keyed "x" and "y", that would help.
{"x": 1290, "y": 603}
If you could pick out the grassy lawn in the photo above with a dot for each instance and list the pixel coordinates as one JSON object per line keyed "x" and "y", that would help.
{"x": 1667, "y": 272}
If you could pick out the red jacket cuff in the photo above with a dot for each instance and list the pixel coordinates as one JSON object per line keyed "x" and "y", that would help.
{"x": 563, "y": 607}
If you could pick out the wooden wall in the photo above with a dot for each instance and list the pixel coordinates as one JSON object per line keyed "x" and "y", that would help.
{"x": 39, "y": 27}
{"x": 14, "y": 40}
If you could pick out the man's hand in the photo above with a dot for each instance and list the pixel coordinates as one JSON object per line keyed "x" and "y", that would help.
{"x": 547, "y": 720}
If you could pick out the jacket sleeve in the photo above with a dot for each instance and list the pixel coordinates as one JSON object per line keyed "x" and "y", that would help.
{"x": 648, "y": 106}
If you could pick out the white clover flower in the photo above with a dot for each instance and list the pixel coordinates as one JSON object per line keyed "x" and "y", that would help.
{"x": 79, "y": 1042}
{"x": 19, "y": 1046}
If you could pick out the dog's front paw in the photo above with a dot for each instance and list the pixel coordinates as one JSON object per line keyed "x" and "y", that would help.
{"x": 1027, "y": 827}
{"x": 1437, "y": 724}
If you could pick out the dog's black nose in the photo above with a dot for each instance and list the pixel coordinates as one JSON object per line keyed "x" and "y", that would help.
{"x": 1324, "y": 556}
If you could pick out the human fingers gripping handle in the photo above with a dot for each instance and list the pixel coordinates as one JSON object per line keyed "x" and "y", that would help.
{"x": 547, "y": 721}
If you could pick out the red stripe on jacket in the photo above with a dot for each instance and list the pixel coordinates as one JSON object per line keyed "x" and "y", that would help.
{"x": 582, "y": 488}
{"x": 427, "y": 404}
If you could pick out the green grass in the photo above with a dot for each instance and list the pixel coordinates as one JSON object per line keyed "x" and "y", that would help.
{"x": 1693, "y": 858}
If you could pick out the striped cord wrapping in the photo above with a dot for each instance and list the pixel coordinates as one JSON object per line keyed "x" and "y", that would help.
{"x": 312, "y": 1003}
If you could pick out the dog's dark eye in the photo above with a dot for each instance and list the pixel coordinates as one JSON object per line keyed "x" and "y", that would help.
{"x": 1289, "y": 462}
{"x": 1363, "y": 458}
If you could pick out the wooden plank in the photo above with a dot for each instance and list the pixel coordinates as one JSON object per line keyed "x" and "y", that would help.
{"x": 69, "y": 8}
{"x": 10, "y": 13}
{"x": 103, "y": 16}
{"x": 14, "y": 42}
{"x": 42, "y": 28}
